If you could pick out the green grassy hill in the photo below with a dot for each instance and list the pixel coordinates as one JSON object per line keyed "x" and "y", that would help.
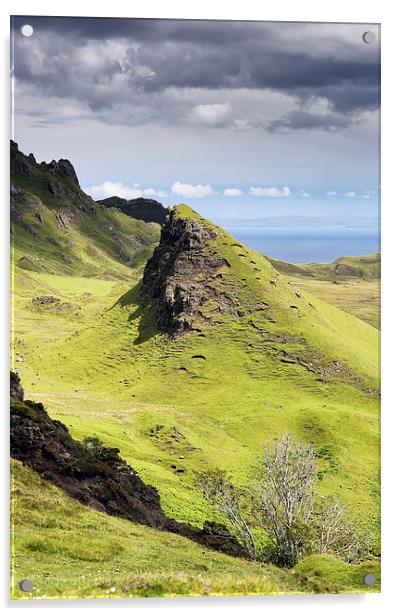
{"x": 349, "y": 283}
{"x": 366, "y": 267}
{"x": 58, "y": 229}
{"x": 276, "y": 360}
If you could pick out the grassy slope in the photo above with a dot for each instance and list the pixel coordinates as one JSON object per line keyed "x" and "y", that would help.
{"x": 121, "y": 559}
{"x": 101, "y": 368}
{"x": 358, "y": 297}
{"x": 367, "y": 266}
{"x": 358, "y": 294}
{"x": 95, "y": 242}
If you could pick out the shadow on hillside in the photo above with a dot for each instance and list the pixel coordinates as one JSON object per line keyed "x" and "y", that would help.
{"x": 145, "y": 314}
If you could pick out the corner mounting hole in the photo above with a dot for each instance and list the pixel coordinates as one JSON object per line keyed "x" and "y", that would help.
{"x": 369, "y": 579}
{"x": 369, "y": 37}
{"x": 27, "y": 30}
{"x": 26, "y": 585}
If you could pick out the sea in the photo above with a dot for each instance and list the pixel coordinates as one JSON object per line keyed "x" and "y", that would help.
{"x": 308, "y": 245}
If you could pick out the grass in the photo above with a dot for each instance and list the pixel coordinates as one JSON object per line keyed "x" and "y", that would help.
{"x": 365, "y": 267}
{"x": 358, "y": 297}
{"x": 121, "y": 559}
{"x": 102, "y": 368}
{"x": 357, "y": 290}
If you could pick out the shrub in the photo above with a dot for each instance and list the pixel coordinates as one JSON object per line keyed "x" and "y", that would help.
{"x": 282, "y": 501}
{"x": 94, "y": 444}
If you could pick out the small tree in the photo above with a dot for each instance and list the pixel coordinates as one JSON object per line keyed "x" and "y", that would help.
{"x": 282, "y": 500}
{"x": 229, "y": 501}
{"x": 283, "y": 494}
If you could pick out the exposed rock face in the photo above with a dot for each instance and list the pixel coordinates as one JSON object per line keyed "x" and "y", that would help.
{"x": 64, "y": 218}
{"x": 148, "y": 210}
{"x": 343, "y": 269}
{"x": 26, "y": 165}
{"x": 176, "y": 276}
{"x": 95, "y": 475}
{"x": 56, "y": 188}
{"x": 16, "y": 389}
{"x": 64, "y": 168}
{"x": 22, "y": 164}
{"x": 45, "y": 299}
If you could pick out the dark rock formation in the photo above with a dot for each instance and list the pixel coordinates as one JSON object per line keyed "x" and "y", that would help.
{"x": 45, "y": 299}
{"x": 26, "y": 165}
{"x": 16, "y": 389}
{"x": 64, "y": 168}
{"x": 95, "y": 475}
{"x": 20, "y": 163}
{"x": 343, "y": 269}
{"x": 176, "y": 276}
{"x": 56, "y": 188}
{"x": 148, "y": 210}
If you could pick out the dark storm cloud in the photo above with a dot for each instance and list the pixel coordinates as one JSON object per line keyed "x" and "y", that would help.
{"x": 304, "y": 120}
{"x": 109, "y": 63}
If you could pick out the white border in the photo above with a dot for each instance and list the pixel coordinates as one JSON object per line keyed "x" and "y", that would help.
{"x": 376, "y": 11}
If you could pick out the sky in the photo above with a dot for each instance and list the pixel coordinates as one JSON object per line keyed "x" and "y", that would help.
{"x": 245, "y": 121}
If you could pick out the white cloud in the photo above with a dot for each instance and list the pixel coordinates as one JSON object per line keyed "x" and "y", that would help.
{"x": 191, "y": 192}
{"x": 111, "y": 189}
{"x": 272, "y": 191}
{"x": 331, "y": 193}
{"x": 304, "y": 194}
{"x": 232, "y": 192}
{"x": 152, "y": 192}
{"x": 212, "y": 115}
{"x": 351, "y": 194}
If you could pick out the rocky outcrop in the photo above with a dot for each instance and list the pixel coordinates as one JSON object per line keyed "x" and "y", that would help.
{"x": 24, "y": 165}
{"x": 176, "y": 277}
{"x": 64, "y": 168}
{"x": 64, "y": 217}
{"x": 16, "y": 389}
{"x": 344, "y": 269}
{"x": 45, "y": 299}
{"x": 56, "y": 188}
{"x": 148, "y": 210}
{"x": 95, "y": 475}
{"x": 27, "y": 166}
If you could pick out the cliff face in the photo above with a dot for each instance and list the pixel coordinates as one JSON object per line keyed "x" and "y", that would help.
{"x": 176, "y": 276}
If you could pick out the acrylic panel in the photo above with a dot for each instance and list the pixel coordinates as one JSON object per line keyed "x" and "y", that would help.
{"x": 195, "y": 308}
